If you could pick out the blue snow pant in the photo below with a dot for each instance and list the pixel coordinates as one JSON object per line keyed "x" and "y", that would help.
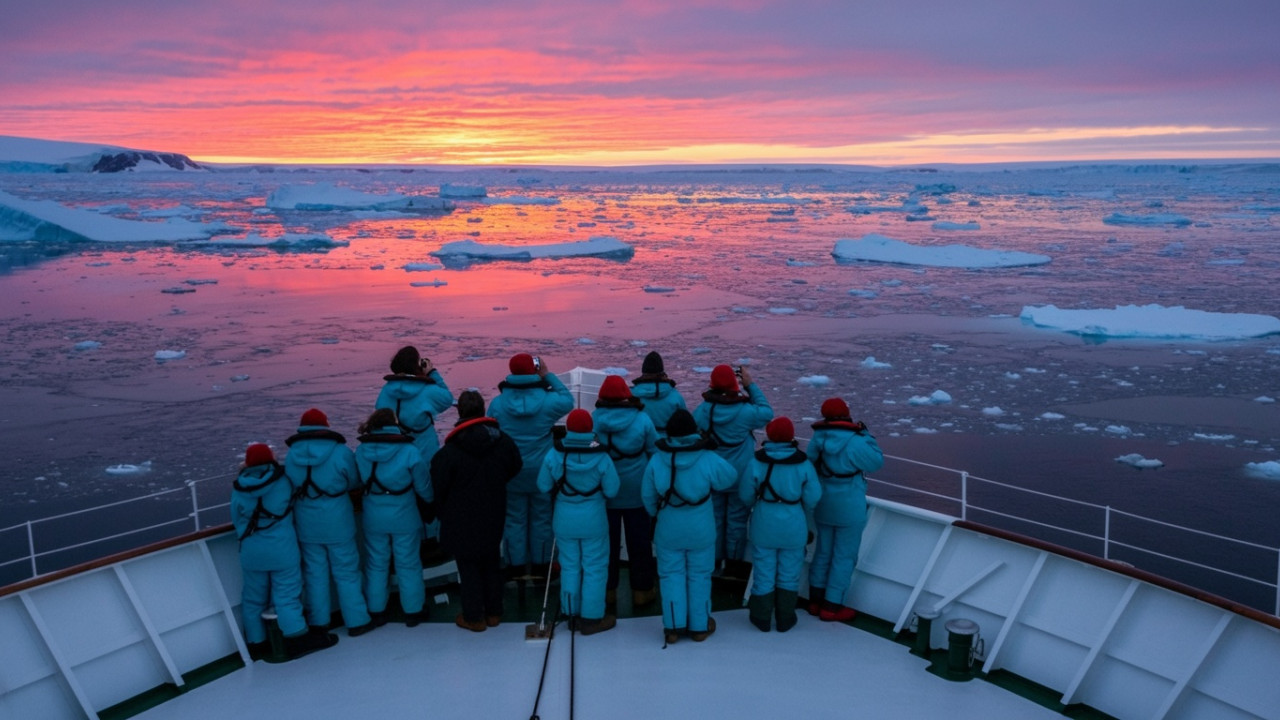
{"x": 731, "y": 525}
{"x": 834, "y": 557}
{"x": 639, "y": 531}
{"x": 528, "y": 528}
{"x": 340, "y": 560}
{"x": 379, "y": 549}
{"x": 684, "y": 577}
{"x": 584, "y": 567}
{"x": 776, "y": 568}
{"x": 281, "y": 589}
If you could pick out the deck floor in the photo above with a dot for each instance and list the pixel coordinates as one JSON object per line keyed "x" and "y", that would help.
{"x": 818, "y": 670}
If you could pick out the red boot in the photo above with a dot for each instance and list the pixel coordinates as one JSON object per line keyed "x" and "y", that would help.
{"x": 832, "y": 612}
{"x": 816, "y": 596}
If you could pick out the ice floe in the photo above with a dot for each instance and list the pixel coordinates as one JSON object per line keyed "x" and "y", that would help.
{"x": 1139, "y": 461}
{"x": 451, "y": 190}
{"x": 871, "y": 363}
{"x": 316, "y": 242}
{"x": 87, "y": 345}
{"x": 520, "y": 200}
{"x": 163, "y": 356}
{"x": 944, "y": 225}
{"x": 422, "y": 266}
{"x": 814, "y": 380}
{"x": 938, "y": 397}
{"x": 466, "y": 252}
{"x": 993, "y": 411}
{"x": 1151, "y": 219}
{"x": 47, "y": 221}
{"x": 326, "y": 196}
{"x": 1152, "y": 321}
{"x": 878, "y": 248}
{"x": 1269, "y": 470}
{"x": 129, "y": 468}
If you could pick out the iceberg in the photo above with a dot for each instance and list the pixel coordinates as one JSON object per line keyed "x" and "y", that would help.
{"x": 1139, "y": 461}
{"x": 464, "y": 252}
{"x": 878, "y": 248}
{"x": 287, "y": 241}
{"x": 47, "y": 221}
{"x": 1152, "y": 321}
{"x": 1269, "y": 470}
{"x": 449, "y": 190}
{"x": 326, "y": 196}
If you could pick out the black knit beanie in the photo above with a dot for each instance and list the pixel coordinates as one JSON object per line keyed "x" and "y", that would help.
{"x": 681, "y": 424}
{"x": 652, "y": 364}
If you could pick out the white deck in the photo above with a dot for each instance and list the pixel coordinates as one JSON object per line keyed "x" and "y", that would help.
{"x": 817, "y": 670}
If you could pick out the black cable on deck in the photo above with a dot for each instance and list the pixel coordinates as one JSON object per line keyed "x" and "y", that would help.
{"x": 543, "y": 677}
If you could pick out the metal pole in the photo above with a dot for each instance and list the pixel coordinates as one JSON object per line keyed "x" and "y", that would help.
{"x": 195, "y": 504}
{"x": 1106, "y": 535}
{"x": 31, "y": 547}
{"x": 964, "y": 495}
{"x": 1277, "y": 581}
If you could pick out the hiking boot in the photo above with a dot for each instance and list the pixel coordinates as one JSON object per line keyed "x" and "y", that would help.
{"x": 816, "y": 597}
{"x": 493, "y": 620}
{"x": 258, "y": 650}
{"x": 643, "y": 597}
{"x": 359, "y": 630}
{"x": 378, "y": 618}
{"x": 671, "y": 636}
{"x": 785, "y": 610}
{"x": 477, "y": 626}
{"x": 700, "y": 636}
{"x": 832, "y": 612}
{"x": 760, "y": 611}
{"x": 591, "y": 627}
{"x": 415, "y": 619}
{"x": 307, "y": 643}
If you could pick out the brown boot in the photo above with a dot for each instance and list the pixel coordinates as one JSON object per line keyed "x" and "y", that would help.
{"x": 591, "y": 627}
{"x": 700, "y": 636}
{"x": 640, "y": 598}
{"x": 477, "y": 626}
{"x": 493, "y": 620}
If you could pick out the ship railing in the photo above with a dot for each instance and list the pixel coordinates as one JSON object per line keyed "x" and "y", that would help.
{"x": 1099, "y": 530}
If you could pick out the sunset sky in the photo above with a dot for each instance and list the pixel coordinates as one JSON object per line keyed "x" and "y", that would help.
{"x": 591, "y": 82}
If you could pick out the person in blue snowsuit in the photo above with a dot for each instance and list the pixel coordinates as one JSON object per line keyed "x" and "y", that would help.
{"x": 677, "y": 488}
{"x": 782, "y": 488}
{"x": 841, "y": 450}
{"x": 580, "y": 477}
{"x": 629, "y": 437}
{"x": 261, "y": 503}
{"x": 657, "y": 391}
{"x": 394, "y": 477}
{"x": 417, "y": 393}
{"x": 322, "y": 471}
{"x": 528, "y": 405}
{"x": 727, "y": 417}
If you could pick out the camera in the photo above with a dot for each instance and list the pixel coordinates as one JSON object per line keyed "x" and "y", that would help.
{"x": 537, "y": 363}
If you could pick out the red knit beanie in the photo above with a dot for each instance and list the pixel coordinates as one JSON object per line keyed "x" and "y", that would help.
{"x": 522, "y": 364}
{"x": 723, "y": 378}
{"x": 614, "y": 388}
{"x": 258, "y": 454}
{"x": 835, "y": 408}
{"x": 781, "y": 430}
{"x": 579, "y": 421}
{"x": 314, "y": 417}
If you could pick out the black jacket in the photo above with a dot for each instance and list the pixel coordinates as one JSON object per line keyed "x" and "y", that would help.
{"x": 470, "y": 475}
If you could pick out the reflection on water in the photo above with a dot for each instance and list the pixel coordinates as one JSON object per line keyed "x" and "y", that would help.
{"x": 728, "y": 266}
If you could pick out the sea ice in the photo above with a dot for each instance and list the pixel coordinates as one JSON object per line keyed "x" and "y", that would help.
{"x": 328, "y": 197}
{"x": 938, "y": 397}
{"x": 878, "y": 248}
{"x": 1152, "y": 321}
{"x": 465, "y": 252}
{"x": 814, "y": 380}
{"x": 944, "y": 225}
{"x": 469, "y": 192}
{"x": 1264, "y": 399}
{"x": 317, "y": 242}
{"x": 129, "y": 468}
{"x": 167, "y": 355}
{"x": 871, "y": 363}
{"x": 520, "y": 200}
{"x": 429, "y": 283}
{"x": 1139, "y": 461}
{"x": 1152, "y": 219}
{"x": 994, "y": 411}
{"x": 94, "y": 344}
{"x": 1269, "y": 470}
{"x": 422, "y": 266}
{"x": 48, "y": 221}
{"x": 1118, "y": 429}
{"x": 1052, "y": 416}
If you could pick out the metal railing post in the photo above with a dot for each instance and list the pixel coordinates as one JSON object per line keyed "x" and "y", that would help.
{"x": 1277, "y": 581}
{"x": 195, "y": 504}
{"x": 964, "y": 495}
{"x": 31, "y": 548}
{"x": 1106, "y": 534}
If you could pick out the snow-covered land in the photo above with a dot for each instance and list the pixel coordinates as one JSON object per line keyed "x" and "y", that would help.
{"x": 19, "y": 154}
{"x": 1153, "y": 321}
{"x": 464, "y": 252}
{"x": 881, "y": 249}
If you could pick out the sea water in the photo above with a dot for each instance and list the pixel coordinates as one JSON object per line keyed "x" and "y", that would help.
{"x": 132, "y": 368}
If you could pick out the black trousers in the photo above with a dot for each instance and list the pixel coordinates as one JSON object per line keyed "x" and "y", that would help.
{"x": 481, "y": 582}
{"x": 639, "y": 530}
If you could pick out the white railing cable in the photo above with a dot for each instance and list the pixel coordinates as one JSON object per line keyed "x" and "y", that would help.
{"x": 1193, "y": 530}
{"x": 1195, "y": 564}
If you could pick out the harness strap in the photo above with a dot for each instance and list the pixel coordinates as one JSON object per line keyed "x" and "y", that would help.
{"x": 260, "y": 512}
{"x": 825, "y": 470}
{"x": 374, "y": 486}
{"x": 309, "y": 485}
{"x": 711, "y": 430}
{"x": 666, "y": 500}
{"x": 767, "y": 487}
{"x": 431, "y": 422}
{"x": 617, "y": 454}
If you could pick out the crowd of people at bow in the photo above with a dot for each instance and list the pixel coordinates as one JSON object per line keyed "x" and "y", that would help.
{"x": 514, "y": 492}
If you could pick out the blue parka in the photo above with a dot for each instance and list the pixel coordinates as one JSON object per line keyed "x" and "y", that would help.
{"x": 841, "y": 452}
{"x": 393, "y": 473}
{"x": 417, "y": 401}
{"x": 261, "y": 501}
{"x": 583, "y": 477}
{"x": 729, "y": 418}
{"x": 685, "y": 520}
{"x": 322, "y": 471}
{"x": 526, "y": 408}
{"x": 660, "y": 397}
{"x": 629, "y": 437}
{"x": 783, "y": 486}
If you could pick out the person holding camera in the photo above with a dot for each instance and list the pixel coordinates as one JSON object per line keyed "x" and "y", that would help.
{"x": 841, "y": 450}
{"x": 727, "y": 416}
{"x": 529, "y": 403}
{"x": 417, "y": 393}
